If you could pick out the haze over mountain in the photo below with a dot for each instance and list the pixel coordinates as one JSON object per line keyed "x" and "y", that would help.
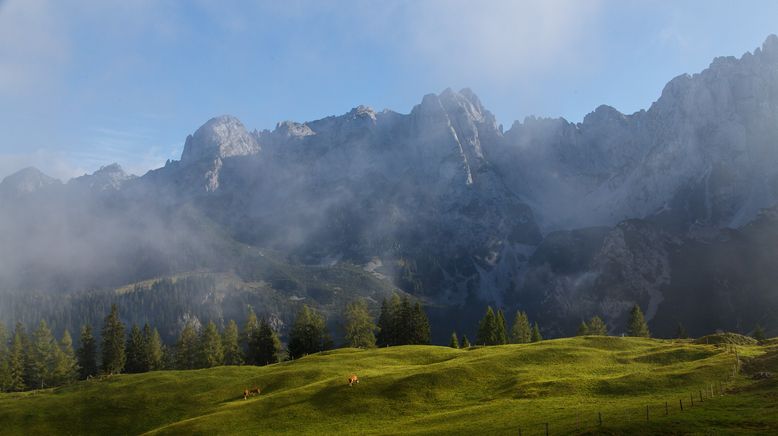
{"x": 670, "y": 208}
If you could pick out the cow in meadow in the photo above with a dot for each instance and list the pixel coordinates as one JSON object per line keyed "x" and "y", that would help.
{"x": 353, "y": 379}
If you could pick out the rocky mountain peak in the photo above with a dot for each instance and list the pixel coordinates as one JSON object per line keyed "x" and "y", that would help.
{"x": 110, "y": 176}
{"x": 220, "y": 137}
{"x": 25, "y": 181}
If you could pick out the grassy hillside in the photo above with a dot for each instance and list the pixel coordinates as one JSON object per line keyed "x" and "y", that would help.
{"x": 425, "y": 389}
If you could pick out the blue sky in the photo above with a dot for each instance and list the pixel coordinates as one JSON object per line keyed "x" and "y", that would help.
{"x": 85, "y": 83}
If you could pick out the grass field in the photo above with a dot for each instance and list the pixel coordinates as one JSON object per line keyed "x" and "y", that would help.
{"x": 424, "y": 389}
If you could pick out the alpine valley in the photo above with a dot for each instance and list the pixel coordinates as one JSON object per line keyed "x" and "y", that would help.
{"x": 674, "y": 208}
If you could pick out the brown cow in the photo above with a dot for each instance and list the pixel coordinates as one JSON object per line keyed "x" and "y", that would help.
{"x": 250, "y": 392}
{"x": 353, "y": 379}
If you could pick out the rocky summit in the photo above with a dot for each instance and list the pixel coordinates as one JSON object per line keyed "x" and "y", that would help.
{"x": 663, "y": 207}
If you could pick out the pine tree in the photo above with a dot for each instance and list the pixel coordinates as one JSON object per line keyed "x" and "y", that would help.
{"x": 232, "y": 352}
{"x": 186, "y": 348}
{"x": 268, "y": 345}
{"x": 536, "y": 337}
{"x": 41, "y": 357}
{"x": 680, "y": 332}
{"x": 152, "y": 353}
{"x": 16, "y": 360}
{"x": 210, "y": 348}
{"x": 389, "y": 322}
{"x": 487, "y": 329}
{"x": 637, "y": 324}
{"x": 596, "y": 327}
{"x": 359, "y": 329}
{"x": 87, "y": 353}
{"x": 502, "y": 331}
{"x": 65, "y": 365}
{"x": 308, "y": 334}
{"x": 135, "y": 350}
{"x": 402, "y": 322}
{"x": 521, "y": 333}
{"x": 454, "y": 340}
{"x": 759, "y": 334}
{"x": 583, "y": 329}
{"x": 465, "y": 342}
{"x": 249, "y": 338}
{"x": 113, "y": 343}
{"x": 419, "y": 326}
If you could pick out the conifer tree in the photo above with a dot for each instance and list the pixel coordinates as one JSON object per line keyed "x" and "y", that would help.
{"x": 521, "y": 333}
{"x": 249, "y": 338}
{"x": 232, "y": 352}
{"x": 135, "y": 349}
{"x": 637, "y": 324}
{"x": 759, "y": 334}
{"x": 87, "y": 353}
{"x": 583, "y": 329}
{"x": 536, "y": 337}
{"x": 487, "y": 329}
{"x": 465, "y": 342}
{"x": 419, "y": 326}
{"x": 268, "y": 345}
{"x": 186, "y": 348}
{"x": 16, "y": 360}
{"x": 41, "y": 357}
{"x": 502, "y": 331}
{"x": 596, "y": 326}
{"x": 680, "y": 332}
{"x": 65, "y": 365}
{"x": 113, "y": 343}
{"x": 402, "y": 322}
{"x": 308, "y": 334}
{"x": 152, "y": 354}
{"x": 210, "y": 347}
{"x": 386, "y": 330}
{"x": 359, "y": 329}
{"x": 454, "y": 340}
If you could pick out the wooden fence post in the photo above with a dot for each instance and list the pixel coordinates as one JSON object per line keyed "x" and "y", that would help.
{"x": 700, "y": 395}
{"x": 546, "y": 429}
{"x": 667, "y": 412}
{"x": 599, "y": 418}
{"x": 681, "y": 403}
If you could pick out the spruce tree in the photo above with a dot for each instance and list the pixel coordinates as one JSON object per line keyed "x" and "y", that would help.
{"x": 135, "y": 350}
{"x": 536, "y": 337}
{"x": 388, "y": 322}
{"x": 465, "y": 342}
{"x": 249, "y": 338}
{"x": 487, "y": 329}
{"x": 65, "y": 364}
{"x": 210, "y": 347}
{"x": 186, "y": 347}
{"x": 308, "y": 334}
{"x": 583, "y": 329}
{"x": 521, "y": 332}
{"x": 16, "y": 360}
{"x": 232, "y": 352}
{"x": 268, "y": 345}
{"x": 419, "y": 326}
{"x": 87, "y": 353}
{"x": 113, "y": 343}
{"x": 502, "y": 330}
{"x": 596, "y": 326}
{"x": 680, "y": 332}
{"x": 759, "y": 334}
{"x": 41, "y": 357}
{"x": 637, "y": 324}
{"x": 359, "y": 329}
{"x": 402, "y": 322}
{"x": 152, "y": 354}
{"x": 454, "y": 340}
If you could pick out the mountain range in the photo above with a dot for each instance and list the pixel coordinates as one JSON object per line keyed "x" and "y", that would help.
{"x": 672, "y": 208}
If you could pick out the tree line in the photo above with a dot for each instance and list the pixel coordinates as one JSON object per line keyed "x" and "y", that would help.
{"x": 38, "y": 360}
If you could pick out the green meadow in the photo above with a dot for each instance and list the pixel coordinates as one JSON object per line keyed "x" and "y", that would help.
{"x": 565, "y": 383}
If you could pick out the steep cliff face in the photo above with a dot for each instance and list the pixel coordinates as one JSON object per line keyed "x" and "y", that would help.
{"x": 704, "y": 153}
